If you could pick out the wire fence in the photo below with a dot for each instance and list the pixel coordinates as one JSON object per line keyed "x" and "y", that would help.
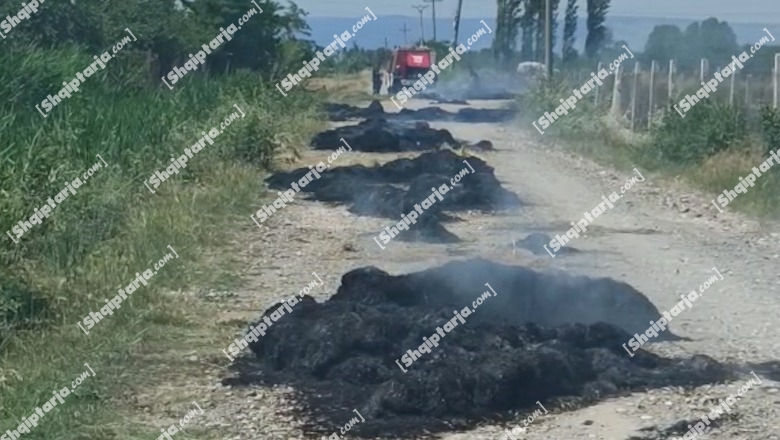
{"x": 646, "y": 90}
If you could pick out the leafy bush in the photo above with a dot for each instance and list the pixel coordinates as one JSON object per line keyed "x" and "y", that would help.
{"x": 546, "y": 96}
{"x": 770, "y": 128}
{"x": 707, "y": 128}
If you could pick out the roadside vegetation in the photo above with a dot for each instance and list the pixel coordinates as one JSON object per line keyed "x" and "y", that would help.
{"x": 711, "y": 148}
{"x": 95, "y": 241}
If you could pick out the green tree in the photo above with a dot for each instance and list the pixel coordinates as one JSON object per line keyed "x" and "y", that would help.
{"x": 508, "y": 22}
{"x": 169, "y": 30}
{"x": 254, "y": 46}
{"x": 568, "y": 52}
{"x": 664, "y": 43}
{"x": 539, "y": 8}
{"x": 95, "y": 25}
{"x": 597, "y": 32}
{"x": 528, "y": 24}
{"x": 717, "y": 41}
{"x": 710, "y": 39}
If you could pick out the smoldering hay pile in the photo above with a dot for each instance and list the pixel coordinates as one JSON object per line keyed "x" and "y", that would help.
{"x": 394, "y": 188}
{"x": 343, "y": 112}
{"x": 381, "y": 136}
{"x": 385, "y": 132}
{"x": 540, "y": 337}
{"x": 461, "y": 97}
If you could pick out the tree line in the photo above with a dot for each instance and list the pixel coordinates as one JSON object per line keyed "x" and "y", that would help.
{"x": 168, "y": 30}
{"x": 523, "y": 21}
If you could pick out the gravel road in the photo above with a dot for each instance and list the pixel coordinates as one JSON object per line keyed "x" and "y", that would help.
{"x": 661, "y": 238}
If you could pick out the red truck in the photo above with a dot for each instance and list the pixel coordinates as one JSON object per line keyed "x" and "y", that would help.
{"x": 406, "y": 64}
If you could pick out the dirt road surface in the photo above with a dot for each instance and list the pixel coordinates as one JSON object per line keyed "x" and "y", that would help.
{"x": 660, "y": 238}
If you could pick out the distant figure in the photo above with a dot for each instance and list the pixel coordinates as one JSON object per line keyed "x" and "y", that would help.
{"x": 376, "y": 80}
{"x": 474, "y": 77}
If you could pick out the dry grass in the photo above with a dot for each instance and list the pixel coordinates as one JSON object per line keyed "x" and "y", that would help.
{"x": 613, "y": 145}
{"x": 722, "y": 171}
{"x": 344, "y": 86}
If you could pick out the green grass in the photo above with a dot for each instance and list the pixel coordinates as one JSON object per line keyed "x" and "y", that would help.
{"x": 97, "y": 239}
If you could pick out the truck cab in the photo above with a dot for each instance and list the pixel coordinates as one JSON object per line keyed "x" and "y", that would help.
{"x": 407, "y": 64}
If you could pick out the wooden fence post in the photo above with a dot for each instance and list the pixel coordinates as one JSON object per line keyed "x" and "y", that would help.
{"x": 633, "y": 94}
{"x": 652, "y": 92}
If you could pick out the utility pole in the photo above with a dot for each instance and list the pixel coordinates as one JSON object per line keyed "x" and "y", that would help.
{"x": 405, "y": 30}
{"x": 420, "y": 9}
{"x": 433, "y": 7}
{"x": 548, "y": 55}
{"x": 457, "y": 23}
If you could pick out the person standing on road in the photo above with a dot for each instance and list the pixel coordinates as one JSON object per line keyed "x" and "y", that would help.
{"x": 376, "y": 80}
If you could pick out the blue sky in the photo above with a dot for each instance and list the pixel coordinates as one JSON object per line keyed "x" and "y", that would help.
{"x": 729, "y": 10}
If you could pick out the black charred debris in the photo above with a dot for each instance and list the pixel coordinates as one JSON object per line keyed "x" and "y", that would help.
{"x": 381, "y": 136}
{"x": 393, "y": 189}
{"x": 540, "y": 337}
{"x": 344, "y": 112}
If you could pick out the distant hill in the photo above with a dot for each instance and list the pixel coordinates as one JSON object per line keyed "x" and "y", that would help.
{"x": 634, "y": 30}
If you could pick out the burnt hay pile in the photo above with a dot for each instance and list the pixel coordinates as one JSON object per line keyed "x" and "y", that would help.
{"x": 470, "y": 93}
{"x": 536, "y": 242}
{"x": 340, "y": 355}
{"x": 382, "y": 136}
{"x": 343, "y": 112}
{"x": 394, "y": 188}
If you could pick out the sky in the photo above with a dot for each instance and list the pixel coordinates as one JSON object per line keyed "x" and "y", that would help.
{"x": 729, "y": 10}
